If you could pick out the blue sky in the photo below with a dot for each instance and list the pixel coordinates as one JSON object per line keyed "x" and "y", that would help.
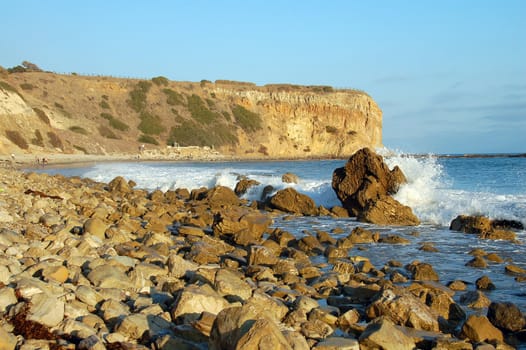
{"x": 450, "y": 76}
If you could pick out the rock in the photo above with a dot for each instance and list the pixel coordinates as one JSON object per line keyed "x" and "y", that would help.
{"x": 291, "y": 201}
{"x": 506, "y": 316}
{"x": 316, "y": 329}
{"x": 55, "y": 273}
{"x": 388, "y": 211}
{"x": 244, "y": 226}
{"x": 194, "y": 300}
{"x": 109, "y": 276}
{"x": 7, "y": 298}
{"x": 119, "y": 184}
{"x": 477, "y": 262}
{"x": 244, "y": 185}
{"x": 337, "y": 343}
{"x": 364, "y": 177}
{"x": 45, "y": 310}
{"x": 274, "y": 307}
{"x": 245, "y": 328}
{"x": 475, "y": 299}
{"x": 484, "y": 283}
{"x": 296, "y": 340}
{"x": 290, "y": 178}
{"x": 137, "y": 326}
{"x": 403, "y": 309}
{"x": 96, "y": 227}
{"x": 457, "y": 285}
{"x": 231, "y": 285}
{"x": 93, "y": 342}
{"x": 261, "y": 255}
{"x": 179, "y": 267}
{"x": 220, "y": 196}
{"x": 479, "y": 328}
{"x": 361, "y": 235}
{"x": 8, "y": 340}
{"x": 514, "y": 269}
{"x": 422, "y": 271}
{"x": 382, "y": 334}
{"x": 482, "y": 226}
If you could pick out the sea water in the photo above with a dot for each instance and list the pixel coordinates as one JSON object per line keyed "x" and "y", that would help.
{"x": 438, "y": 189}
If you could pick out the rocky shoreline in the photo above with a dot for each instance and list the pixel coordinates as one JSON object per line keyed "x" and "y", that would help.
{"x": 87, "y": 265}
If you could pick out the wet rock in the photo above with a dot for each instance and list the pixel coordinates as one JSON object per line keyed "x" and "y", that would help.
{"x": 428, "y": 247}
{"x": 479, "y": 328}
{"x": 221, "y": 196}
{"x": 290, "y": 178}
{"x": 388, "y": 211}
{"x": 244, "y": 185}
{"x": 457, "y": 285}
{"x": 393, "y": 239}
{"x": 484, "y": 283}
{"x": 382, "y": 334}
{"x": 422, "y": 271}
{"x": 403, "y": 309}
{"x": 244, "y": 226}
{"x": 514, "y": 269}
{"x": 506, "y": 316}
{"x": 477, "y": 262}
{"x": 475, "y": 299}
{"x": 364, "y": 177}
{"x": 291, "y": 201}
{"x": 482, "y": 226}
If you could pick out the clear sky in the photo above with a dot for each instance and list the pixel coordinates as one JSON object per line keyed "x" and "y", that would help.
{"x": 449, "y": 75}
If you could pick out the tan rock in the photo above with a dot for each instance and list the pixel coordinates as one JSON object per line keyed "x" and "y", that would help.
{"x": 46, "y": 310}
{"x": 105, "y": 276}
{"x": 56, "y": 273}
{"x": 388, "y": 211}
{"x": 8, "y": 341}
{"x": 382, "y": 334}
{"x": 479, "y": 328}
{"x": 194, "y": 300}
{"x": 96, "y": 227}
{"x": 291, "y": 201}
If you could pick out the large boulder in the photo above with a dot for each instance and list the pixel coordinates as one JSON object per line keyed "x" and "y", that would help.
{"x": 292, "y": 201}
{"x": 365, "y": 185}
{"x": 364, "y": 177}
{"x": 506, "y": 316}
{"x": 245, "y": 327}
{"x": 479, "y": 328}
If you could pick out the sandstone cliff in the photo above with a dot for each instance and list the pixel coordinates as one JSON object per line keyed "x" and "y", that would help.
{"x": 42, "y": 112}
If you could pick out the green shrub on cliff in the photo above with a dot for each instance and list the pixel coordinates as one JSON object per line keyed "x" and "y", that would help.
{"x": 78, "y": 129}
{"x": 190, "y": 133}
{"x": 38, "y": 140}
{"x": 247, "y": 120}
{"x": 115, "y": 123}
{"x": 160, "y": 81}
{"x": 55, "y": 140}
{"x": 137, "y": 100}
{"x": 106, "y": 132}
{"x": 199, "y": 110}
{"x": 150, "y": 124}
{"x": 173, "y": 98}
{"x": 148, "y": 139}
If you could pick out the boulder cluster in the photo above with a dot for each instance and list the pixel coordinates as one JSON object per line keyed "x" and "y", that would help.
{"x": 89, "y": 265}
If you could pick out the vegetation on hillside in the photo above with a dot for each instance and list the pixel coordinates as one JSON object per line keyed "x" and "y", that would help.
{"x": 247, "y": 120}
{"x": 137, "y": 100}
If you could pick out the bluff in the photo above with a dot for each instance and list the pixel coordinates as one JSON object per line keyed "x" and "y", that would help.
{"x": 48, "y": 112}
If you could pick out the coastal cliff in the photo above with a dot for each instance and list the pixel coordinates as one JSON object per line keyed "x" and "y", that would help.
{"x": 46, "y": 112}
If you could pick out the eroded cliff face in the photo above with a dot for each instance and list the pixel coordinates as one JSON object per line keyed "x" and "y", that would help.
{"x": 307, "y": 124}
{"x": 68, "y": 113}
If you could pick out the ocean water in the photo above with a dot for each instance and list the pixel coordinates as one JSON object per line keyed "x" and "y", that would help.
{"x": 438, "y": 190}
